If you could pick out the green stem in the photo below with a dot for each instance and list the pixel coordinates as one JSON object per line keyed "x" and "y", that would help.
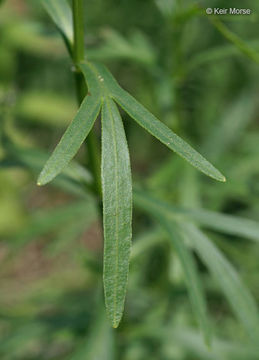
{"x": 78, "y": 21}
{"x": 78, "y": 56}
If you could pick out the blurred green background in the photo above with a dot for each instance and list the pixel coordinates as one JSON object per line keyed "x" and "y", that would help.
{"x": 198, "y": 76}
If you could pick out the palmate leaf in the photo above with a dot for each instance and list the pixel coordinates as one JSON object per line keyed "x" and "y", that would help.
{"x": 117, "y": 210}
{"x": 155, "y": 127}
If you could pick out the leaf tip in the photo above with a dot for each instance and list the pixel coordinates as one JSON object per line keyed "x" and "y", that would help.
{"x": 219, "y": 177}
{"x": 223, "y": 178}
{"x": 115, "y": 322}
{"x": 41, "y": 180}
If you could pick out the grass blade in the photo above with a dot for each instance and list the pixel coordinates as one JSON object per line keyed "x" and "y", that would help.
{"x": 192, "y": 278}
{"x": 117, "y": 210}
{"x": 61, "y": 14}
{"x": 75, "y": 133}
{"x": 239, "y": 297}
{"x": 155, "y": 127}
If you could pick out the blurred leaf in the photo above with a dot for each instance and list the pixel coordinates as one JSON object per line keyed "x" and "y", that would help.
{"x": 217, "y": 53}
{"x": 189, "y": 268}
{"x": 192, "y": 278}
{"x": 231, "y": 127}
{"x": 145, "y": 241}
{"x": 48, "y": 220}
{"x": 115, "y": 46}
{"x": 73, "y": 179}
{"x": 239, "y": 297}
{"x": 17, "y": 344}
{"x": 224, "y": 223}
{"x": 189, "y": 192}
{"x": 28, "y": 37}
{"x": 10, "y": 208}
{"x": 232, "y": 37}
{"x": 192, "y": 343}
{"x": 67, "y": 235}
{"x": 227, "y": 224}
{"x": 167, "y": 7}
{"x": 99, "y": 344}
{"x": 117, "y": 210}
{"x": 61, "y": 14}
{"x": 32, "y": 107}
{"x": 237, "y": 294}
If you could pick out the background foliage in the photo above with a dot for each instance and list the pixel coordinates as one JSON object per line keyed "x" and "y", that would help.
{"x": 200, "y": 77}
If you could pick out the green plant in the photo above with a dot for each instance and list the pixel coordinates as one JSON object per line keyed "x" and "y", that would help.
{"x": 116, "y": 192}
{"x": 200, "y": 88}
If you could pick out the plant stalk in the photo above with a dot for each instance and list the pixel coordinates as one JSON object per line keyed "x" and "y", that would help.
{"x": 81, "y": 88}
{"x": 78, "y": 22}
